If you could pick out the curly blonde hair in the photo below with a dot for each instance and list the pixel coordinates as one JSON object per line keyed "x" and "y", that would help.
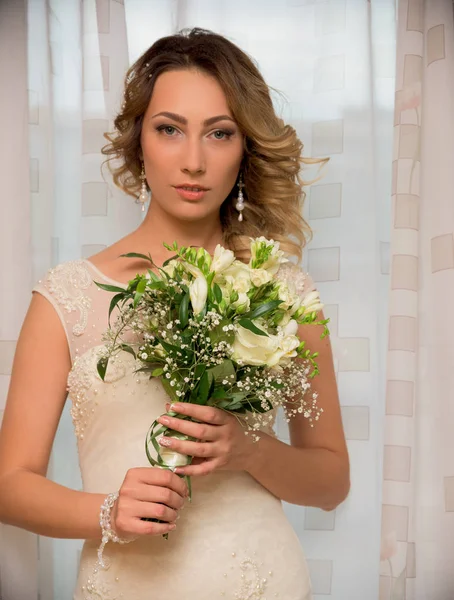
{"x": 272, "y": 159}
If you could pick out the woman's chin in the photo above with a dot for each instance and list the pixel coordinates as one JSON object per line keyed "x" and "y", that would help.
{"x": 195, "y": 213}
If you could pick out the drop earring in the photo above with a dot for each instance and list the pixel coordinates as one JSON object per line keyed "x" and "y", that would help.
{"x": 240, "y": 200}
{"x": 143, "y": 196}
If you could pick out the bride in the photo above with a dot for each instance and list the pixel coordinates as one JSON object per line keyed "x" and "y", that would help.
{"x": 198, "y": 133}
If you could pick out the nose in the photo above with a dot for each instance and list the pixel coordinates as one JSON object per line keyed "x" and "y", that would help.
{"x": 193, "y": 159}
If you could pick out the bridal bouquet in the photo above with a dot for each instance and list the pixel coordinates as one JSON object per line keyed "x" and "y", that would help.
{"x": 218, "y": 332}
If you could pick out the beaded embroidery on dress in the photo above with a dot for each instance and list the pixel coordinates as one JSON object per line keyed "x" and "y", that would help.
{"x": 232, "y": 542}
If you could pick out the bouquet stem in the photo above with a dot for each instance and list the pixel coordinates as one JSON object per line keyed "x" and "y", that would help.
{"x": 165, "y": 457}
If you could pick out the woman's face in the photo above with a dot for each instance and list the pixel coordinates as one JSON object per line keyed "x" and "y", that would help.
{"x": 199, "y": 143}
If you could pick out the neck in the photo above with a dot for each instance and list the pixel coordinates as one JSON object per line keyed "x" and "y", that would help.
{"x": 159, "y": 227}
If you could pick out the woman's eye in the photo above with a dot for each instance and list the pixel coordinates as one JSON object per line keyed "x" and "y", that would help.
{"x": 166, "y": 128}
{"x": 226, "y": 134}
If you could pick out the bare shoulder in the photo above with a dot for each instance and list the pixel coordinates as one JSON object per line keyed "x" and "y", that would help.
{"x": 111, "y": 263}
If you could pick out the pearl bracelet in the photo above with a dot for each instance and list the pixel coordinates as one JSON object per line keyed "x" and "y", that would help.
{"x": 106, "y": 527}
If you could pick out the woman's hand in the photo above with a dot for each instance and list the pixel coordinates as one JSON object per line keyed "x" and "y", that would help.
{"x": 148, "y": 492}
{"x": 222, "y": 443}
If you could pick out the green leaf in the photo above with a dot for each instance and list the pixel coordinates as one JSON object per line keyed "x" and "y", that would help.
{"x": 156, "y": 285}
{"x": 234, "y": 406}
{"x": 247, "y": 324}
{"x": 225, "y": 369}
{"x": 220, "y": 394}
{"x": 184, "y": 307}
{"x": 223, "y": 403}
{"x": 169, "y": 347}
{"x": 205, "y": 386}
{"x": 217, "y": 293}
{"x": 110, "y": 288}
{"x": 113, "y": 303}
{"x": 263, "y": 309}
{"x": 139, "y": 291}
{"x": 199, "y": 371}
{"x": 153, "y": 275}
{"x": 238, "y": 396}
{"x": 157, "y": 372}
{"x": 128, "y": 349}
{"x": 202, "y": 313}
{"x": 102, "y": 366}
{"x": 137, "y": 255}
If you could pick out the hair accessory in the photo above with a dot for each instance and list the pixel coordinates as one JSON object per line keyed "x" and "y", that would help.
{"x": 143, "y": 196}
{"x": 240, "y": 201}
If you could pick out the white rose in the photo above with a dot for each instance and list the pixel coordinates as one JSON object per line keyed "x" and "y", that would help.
{"x": 286, "y": 351}
{"x": 260, "y": 277}
{"x": 222, "y": 259}
{"x": 253, "y": 349}
{"x": 238, "y": 275}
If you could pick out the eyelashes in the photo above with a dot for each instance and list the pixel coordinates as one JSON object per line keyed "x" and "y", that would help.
{"x": 227, "y": 133}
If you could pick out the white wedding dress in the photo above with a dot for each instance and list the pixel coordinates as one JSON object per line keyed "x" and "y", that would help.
{"x": 233, "y": 542}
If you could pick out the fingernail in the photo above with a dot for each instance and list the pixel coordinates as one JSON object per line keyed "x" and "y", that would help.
{"x": 165, "y": 441}
{"x": 164, "y": 420}
{"x": 173, "y": 526}
{"x": 178, "y": 517}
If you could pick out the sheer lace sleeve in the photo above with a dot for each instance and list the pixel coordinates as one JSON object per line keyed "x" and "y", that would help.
{"x": 68, "y": 287}
{"x": 295, "y": 277}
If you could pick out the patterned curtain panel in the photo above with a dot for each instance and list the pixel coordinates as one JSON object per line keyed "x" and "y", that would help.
{"x": 418, "y": 471}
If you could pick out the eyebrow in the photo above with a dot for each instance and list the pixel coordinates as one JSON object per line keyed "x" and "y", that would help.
{"x": 184, "y": 121}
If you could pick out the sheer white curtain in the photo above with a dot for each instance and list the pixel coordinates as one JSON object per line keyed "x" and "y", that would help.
{"x": 418, "y": 468}
{"x": 334, "y": 61}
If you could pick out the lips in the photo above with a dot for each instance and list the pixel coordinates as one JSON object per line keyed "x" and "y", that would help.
{"x": 191, "y": 193}
{"x": 192, "y": 188}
